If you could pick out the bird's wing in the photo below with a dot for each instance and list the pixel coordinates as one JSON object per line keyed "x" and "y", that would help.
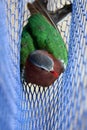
{"x": 41, "y": 60}
{"x": 53, "y": 16}
{"x": 38, "y": 7}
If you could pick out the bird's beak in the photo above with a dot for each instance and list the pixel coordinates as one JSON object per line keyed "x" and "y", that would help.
{"x": 54, "y": 73}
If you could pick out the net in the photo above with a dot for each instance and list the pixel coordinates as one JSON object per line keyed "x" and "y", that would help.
{"x": 62, "y": 106}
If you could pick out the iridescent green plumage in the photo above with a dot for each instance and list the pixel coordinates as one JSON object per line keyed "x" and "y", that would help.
{"x": 27, "y": 46}
{"x": 40, "y": 34}
{"x": 46, "y": 37}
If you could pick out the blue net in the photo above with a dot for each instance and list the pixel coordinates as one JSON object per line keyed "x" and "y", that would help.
{"x": 62, "y": 106}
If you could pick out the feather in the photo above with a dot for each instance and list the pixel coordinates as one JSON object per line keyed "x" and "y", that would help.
{"x": 36, "y": 75}
{"x": 38, "y": 7}
{"x": 46, "y": 37}
{"x": 53, "y": 17}
{"x": 32, "y": 8}
{"x": 41, "y": 60}
{"x": 59, "y": 14}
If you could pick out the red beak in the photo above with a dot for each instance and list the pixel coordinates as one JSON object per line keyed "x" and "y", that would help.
{"x": 55, "y": 74}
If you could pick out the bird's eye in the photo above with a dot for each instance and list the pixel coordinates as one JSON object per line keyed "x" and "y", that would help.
{"x": 42, "y": 68}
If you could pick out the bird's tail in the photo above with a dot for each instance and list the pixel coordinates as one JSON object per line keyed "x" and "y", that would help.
{"x": 61, "y": 13}
{"x": 40, "y": 6}
{"x": 43, "y": 2}
{"x": 32, "y": 8}
{"x": 53, "y": 17}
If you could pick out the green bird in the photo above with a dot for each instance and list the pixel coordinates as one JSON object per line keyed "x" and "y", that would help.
{"x": 41, "y": 34}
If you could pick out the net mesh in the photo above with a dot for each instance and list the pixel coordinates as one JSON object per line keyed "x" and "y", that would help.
{"x": 62, "y": 106}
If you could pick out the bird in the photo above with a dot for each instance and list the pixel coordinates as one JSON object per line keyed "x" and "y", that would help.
{"x": 44, "y": 55}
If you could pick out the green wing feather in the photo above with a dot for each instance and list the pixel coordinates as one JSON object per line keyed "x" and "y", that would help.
{"x": 27, "y": 46}
{"x": 46, "y": 37}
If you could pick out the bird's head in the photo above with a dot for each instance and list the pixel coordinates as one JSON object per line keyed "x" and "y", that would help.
{"x": 42, "y": 68}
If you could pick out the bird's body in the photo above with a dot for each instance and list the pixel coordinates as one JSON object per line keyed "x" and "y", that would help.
{"x": 42, "y": 67}
{"x": 46, "y": 37}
